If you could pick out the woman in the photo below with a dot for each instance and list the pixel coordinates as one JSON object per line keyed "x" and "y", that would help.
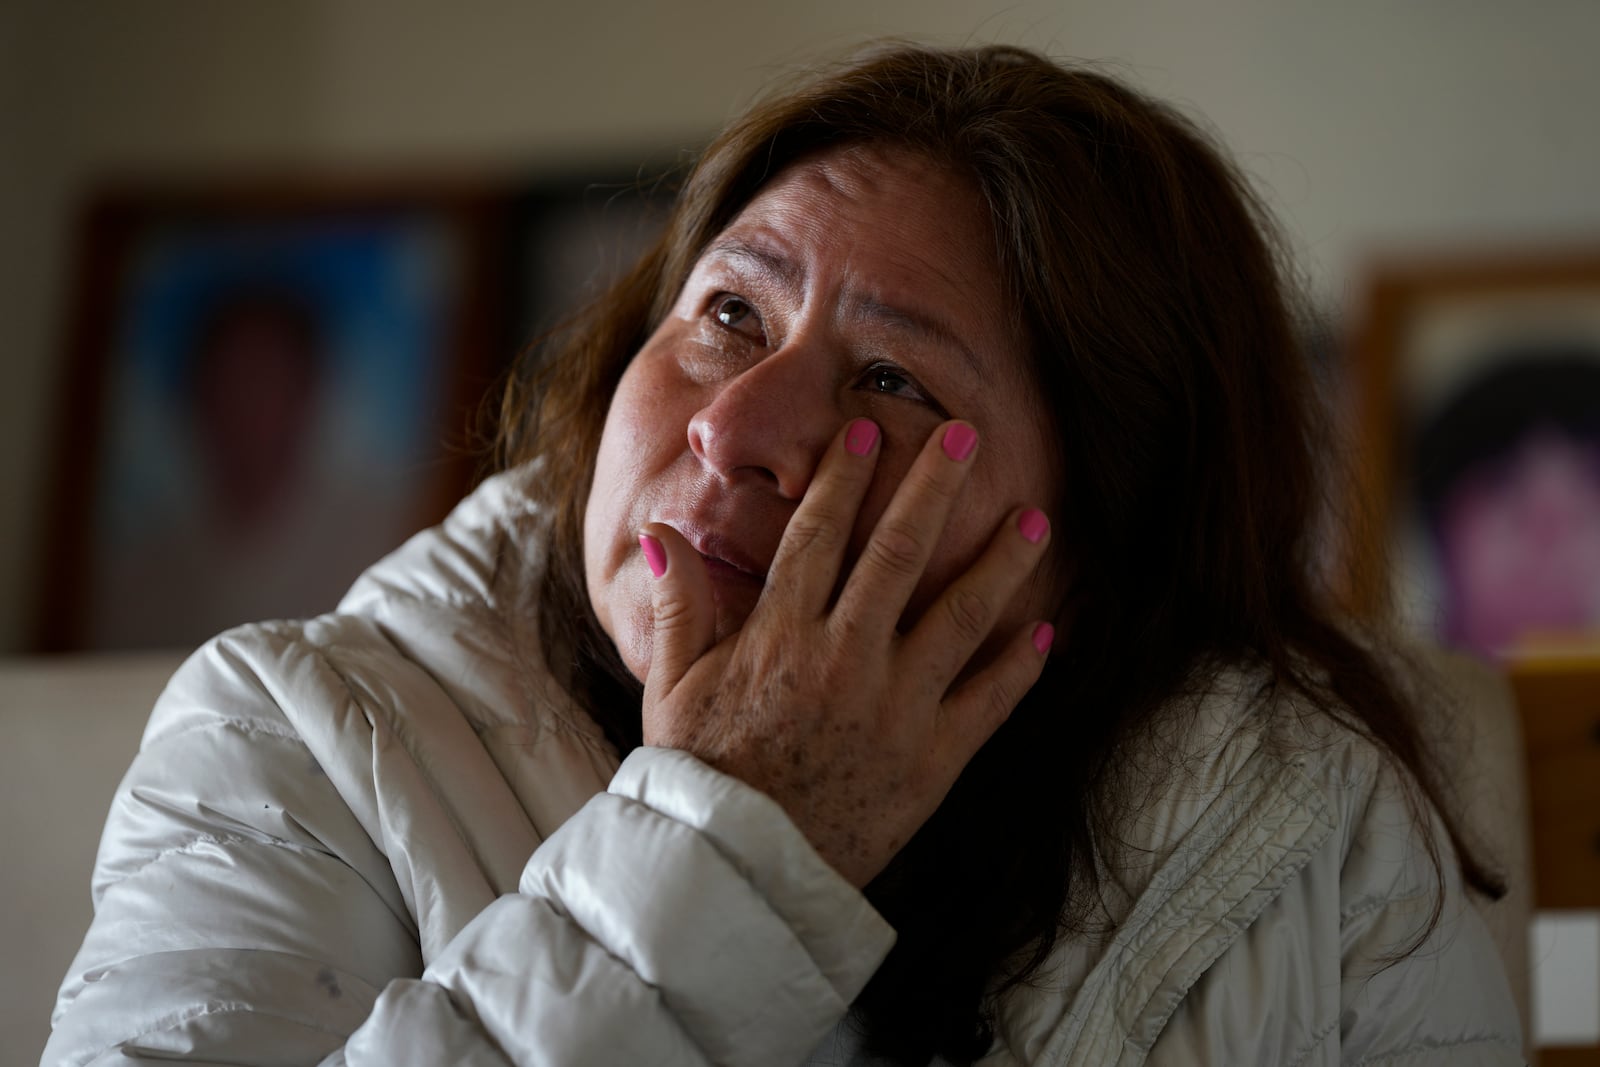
{"x": 776, "y": 511}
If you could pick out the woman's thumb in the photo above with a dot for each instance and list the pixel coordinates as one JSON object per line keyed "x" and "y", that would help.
{"x": 685, "y": 616}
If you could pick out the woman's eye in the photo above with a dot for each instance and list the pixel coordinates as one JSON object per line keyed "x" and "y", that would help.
{"x": 736, "y": 314}
{"x": 889, "y": 380}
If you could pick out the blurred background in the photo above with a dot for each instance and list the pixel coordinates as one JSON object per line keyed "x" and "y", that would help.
{"x": 370, "y": 206}
{"x": 262, "y": 260}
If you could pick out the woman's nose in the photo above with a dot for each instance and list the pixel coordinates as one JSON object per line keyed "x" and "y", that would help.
{"x": 770, "y": 421}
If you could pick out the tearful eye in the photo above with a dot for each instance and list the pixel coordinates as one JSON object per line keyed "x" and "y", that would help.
{"x": 736, "y": 314}
{"x": 889, "y": 380}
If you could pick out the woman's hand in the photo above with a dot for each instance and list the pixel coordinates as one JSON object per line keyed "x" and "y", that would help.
{"x": 853, "y": 728}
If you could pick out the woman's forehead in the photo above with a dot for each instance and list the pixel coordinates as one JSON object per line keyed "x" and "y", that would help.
{"x": 895, "y": 184}
{"x": 898, "y": 225}
{"x": 900, "y": 240}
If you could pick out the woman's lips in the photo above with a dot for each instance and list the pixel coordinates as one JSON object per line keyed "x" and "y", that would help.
{"x": 734, "y": 565}
{"x": 721, "y": 568}
{"x": 723, "y": 551}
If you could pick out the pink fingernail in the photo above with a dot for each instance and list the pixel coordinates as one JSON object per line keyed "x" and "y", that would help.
{"x": 861, "y": 436}
{"x": 1044, "y": 635}
{"x": 654, "y": 554}
{"x": 959, "y": 441}
{"x": 1033, "y": 525}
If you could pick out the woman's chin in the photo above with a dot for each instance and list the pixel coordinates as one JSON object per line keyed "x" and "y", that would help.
{"x": 733, "y": 601}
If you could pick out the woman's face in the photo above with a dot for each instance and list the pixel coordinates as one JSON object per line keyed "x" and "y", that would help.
{"x": 860, "y": 282}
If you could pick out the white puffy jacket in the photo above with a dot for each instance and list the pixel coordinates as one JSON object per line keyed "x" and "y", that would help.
{"x": 388, "y": 836}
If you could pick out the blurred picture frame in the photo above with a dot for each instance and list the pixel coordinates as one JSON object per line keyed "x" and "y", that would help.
{"x": 575, "y": 233}
{"x": 1474, "y": 506}
{"x": 267, "y": 386}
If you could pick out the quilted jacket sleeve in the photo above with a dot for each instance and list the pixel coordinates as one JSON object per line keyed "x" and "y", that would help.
{"x": 683, "y": 920}
{"x": 245, "y": 915}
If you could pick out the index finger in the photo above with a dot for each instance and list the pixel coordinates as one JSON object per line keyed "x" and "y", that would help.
{"x": 806, "y": 567}
{"x": 902, "y": 542}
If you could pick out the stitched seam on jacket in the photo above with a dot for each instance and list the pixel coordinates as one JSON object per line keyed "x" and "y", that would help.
{"x": 1184, "y": 899}
{"x": 1229, "y": 919}
{"x": 1316, "y": 1042}
{"x": 1288, "y": 783}
{"x": 1417, "y": 1048}
{"x": 491, "y": 614}
{"x": 1186, "y": 891}
{"x": 1243, "y": 840}
{"x": 223, "y": 840}
{"x": 245, "y": 726}
{"x": 668, "y": 999}
{"x": 1378, "y": 904}
{"x": 723, "y": 844}
{"x": 469, "y": 1007}
{"x": 735, "y": 866}
{"x": 289, "y": 734}
{"x": 375, "y": 712}
{"x": 184, "y": 1016}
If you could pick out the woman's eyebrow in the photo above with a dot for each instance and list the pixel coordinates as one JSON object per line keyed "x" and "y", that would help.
{"x": 918, "y": 325}
{"x": 771, "y": 263}
{"x": 764, "y": 261}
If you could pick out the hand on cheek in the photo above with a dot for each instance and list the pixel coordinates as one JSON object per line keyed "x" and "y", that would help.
{"x": 856, "y": 730}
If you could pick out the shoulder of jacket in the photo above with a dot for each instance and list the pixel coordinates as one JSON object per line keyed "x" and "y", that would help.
{"x": 1387, "y": 843}
{"x": 1206, "y": 754}
{"x": 249, "y": 745}
{"x": 491, "y": 548}
{"x": 452, "y": 613}
{"x": 1245, "y": 713}
{"x": 1239, "y": 792}
{"x": 251, "y": 677}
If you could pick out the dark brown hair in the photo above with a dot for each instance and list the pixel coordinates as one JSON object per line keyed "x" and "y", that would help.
{"x": 1154, "y": 297}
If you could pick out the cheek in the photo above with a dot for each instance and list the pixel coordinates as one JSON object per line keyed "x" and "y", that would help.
{"x": 633, "y": 622}
{"x": 965, "y": 538}
{"x": 962, "y": 541}
{"x": 645, "y": 434}
{"x": 985, "y": 502}
{"x": 607, "y": 519}
{"x": 617, "y": 581}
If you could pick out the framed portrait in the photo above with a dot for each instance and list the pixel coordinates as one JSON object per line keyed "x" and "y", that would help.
{"x": 1476, "y": 503}
{"x": 266, "y": 389}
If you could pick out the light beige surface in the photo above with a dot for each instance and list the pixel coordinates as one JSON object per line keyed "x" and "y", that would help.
{"x": 71, "y": 726}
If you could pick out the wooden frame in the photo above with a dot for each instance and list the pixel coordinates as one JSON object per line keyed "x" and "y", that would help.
{"x": 572, "y": 236}
{"x": 1432, "y": 330}
{"x": 1556, "y": 697}
{"x": 390, "y": 289}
